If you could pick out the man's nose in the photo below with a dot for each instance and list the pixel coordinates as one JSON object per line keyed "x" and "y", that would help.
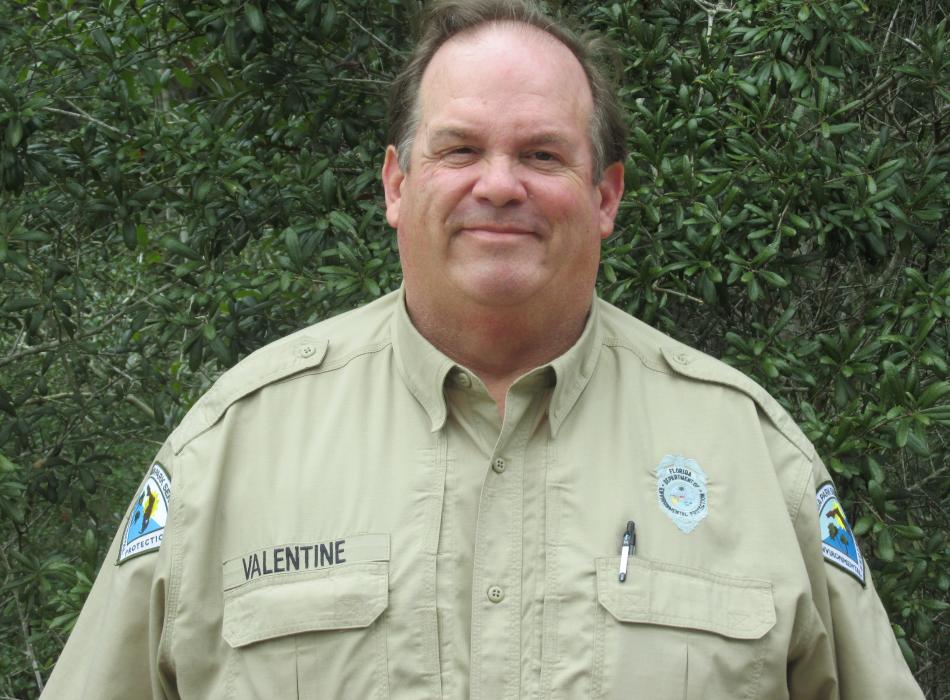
{"x": 499, "y": 182}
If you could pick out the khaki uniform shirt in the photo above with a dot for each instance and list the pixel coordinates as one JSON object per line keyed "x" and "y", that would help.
{"x": 349, "y": 518}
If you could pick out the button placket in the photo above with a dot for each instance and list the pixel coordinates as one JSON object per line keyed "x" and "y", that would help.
{"x": 497, "y": 618}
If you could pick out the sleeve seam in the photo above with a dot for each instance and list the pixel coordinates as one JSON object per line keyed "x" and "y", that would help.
{"x": 174, "y": 573}
{"x": 802, "y": 489}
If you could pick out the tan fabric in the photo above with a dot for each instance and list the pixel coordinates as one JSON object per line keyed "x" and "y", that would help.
{"x": 483, "y": 449}
{"x": 336, "y": 530}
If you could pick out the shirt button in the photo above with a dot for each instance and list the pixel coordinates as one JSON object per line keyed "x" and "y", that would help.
{"x": 498, "y": 465}
{"x": 681, "y": 357}
{"x": 464, "y": 380}
{"x": 495, "y": 594}
{"x": 306, "y": 350}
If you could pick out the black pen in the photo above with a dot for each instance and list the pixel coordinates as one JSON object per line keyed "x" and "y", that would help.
{"x": 628, "y": 546}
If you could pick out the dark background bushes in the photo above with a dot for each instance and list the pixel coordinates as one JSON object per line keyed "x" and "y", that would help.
{"x": 182, "y": 182}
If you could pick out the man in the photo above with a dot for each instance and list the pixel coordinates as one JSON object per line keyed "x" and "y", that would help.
{"x": 489, "y": 484}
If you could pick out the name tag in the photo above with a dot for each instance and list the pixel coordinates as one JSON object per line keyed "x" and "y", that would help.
{"x": 298, "y": 557}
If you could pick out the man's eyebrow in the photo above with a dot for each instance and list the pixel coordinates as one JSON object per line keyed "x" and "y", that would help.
{"x": 449, "y": 133}
{"x": 549, "y": 138}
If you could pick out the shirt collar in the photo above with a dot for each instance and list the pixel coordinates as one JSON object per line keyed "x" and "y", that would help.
{"x": 575, "y": 367}
{"x": 424, "y": 368}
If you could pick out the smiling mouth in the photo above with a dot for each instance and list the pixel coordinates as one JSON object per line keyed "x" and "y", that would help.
{"x": 497, "y": 230}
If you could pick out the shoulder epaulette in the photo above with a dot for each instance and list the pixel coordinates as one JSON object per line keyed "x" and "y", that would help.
{"x": 282, "y": 358}
{"x": 697, "y": 365}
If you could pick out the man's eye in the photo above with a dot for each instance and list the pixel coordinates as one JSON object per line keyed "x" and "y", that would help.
{"x": 543, "y": 156}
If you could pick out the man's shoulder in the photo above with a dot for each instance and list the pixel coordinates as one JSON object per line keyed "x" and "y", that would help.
{"x": 326, "y": 345}
{"x": 660, "y": 352}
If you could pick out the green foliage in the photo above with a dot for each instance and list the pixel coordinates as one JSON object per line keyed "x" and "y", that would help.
{"x": 182, "y": 182}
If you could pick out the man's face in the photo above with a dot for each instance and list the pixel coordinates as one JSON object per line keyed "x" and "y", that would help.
{"x": 498, "y": 207}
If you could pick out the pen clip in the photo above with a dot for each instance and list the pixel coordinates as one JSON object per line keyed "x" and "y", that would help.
{"x": 628, "y": 546}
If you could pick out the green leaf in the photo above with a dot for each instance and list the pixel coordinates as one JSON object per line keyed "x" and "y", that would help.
{"x": 372, "y": 287}
{"x": 150, "y": 193}
{"x": 342, "y": 222}
{"x": 103, "y": 42}
{"x": 328, "y": 22}
{"x": 933, "y": 393}
{"x": 885, "y": 545}
{"x": 917, "y": 574}
{"x": 832, "y": 71}
{"x": 907, "y": 652}
{"x": 255, "y": 18}
{"x": 799, "y": 222}
{"x": 844, "y": 128}
{"x": 32, "y": 236}
{"x": 748, "y": 88}
{"x": 645, "y": 143}
{"x": 202, "y": 188}
{"x": 911, "y": 532}
{"x": 755, "y": 292}
{"x": 14, "y": 304}
{"x": 923, "y": 627}
{"x": 173, "y": 245}
{"x": 14, "y": 132}
{"x": 863, "y": 525}
{"x": 883, "y": 194}
{"x": 929, "y": 214}
{"x": 877, "y": 494}
{"x": 183, "y": 78}
{"x": 917, "y": 443}
{"x": 292, "y": 240}
{"x": 773, "y": 278}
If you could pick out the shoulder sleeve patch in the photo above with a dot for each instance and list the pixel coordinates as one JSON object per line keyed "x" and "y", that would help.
{"x": 838, "y": 544}
{"x": 145, "y": 525}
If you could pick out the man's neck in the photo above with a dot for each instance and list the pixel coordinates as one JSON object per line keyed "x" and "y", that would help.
{"x": 499, "y": 345}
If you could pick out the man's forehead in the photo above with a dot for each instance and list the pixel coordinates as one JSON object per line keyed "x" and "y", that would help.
{"x": 491, "y": 73}
{"x": 516, "y": 45}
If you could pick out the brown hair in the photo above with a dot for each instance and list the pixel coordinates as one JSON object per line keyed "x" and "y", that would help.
{"x": 448, "y": 18}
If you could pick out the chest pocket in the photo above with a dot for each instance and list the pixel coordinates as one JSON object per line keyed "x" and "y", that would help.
{"x": 675, "y": 633}
{"x": 309, "y": 635}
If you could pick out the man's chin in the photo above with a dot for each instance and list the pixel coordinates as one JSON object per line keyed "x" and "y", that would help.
{"x": 500, "y": 288}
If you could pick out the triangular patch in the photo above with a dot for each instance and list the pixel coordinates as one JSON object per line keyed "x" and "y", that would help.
{"x": 838, "y": 544}
{"x": 145, "y": 527}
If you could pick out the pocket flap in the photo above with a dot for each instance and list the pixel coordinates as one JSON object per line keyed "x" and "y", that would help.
{"x": 678, "y": 596}
{"x": 341, "y": 598}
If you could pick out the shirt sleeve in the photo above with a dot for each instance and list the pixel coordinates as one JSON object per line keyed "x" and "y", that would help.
{"x": 112, "y": 652}
{"x": 850, "y": 651}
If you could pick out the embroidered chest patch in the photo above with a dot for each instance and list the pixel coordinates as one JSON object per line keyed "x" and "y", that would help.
{"x": 837, "y": 541}
{"x": 146, "y": 524}
{"x": 681, "y": 491}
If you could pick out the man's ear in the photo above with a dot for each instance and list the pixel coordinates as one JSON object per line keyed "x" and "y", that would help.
{"x": 393, "y": 177}
{"x": 611, "y": 191}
